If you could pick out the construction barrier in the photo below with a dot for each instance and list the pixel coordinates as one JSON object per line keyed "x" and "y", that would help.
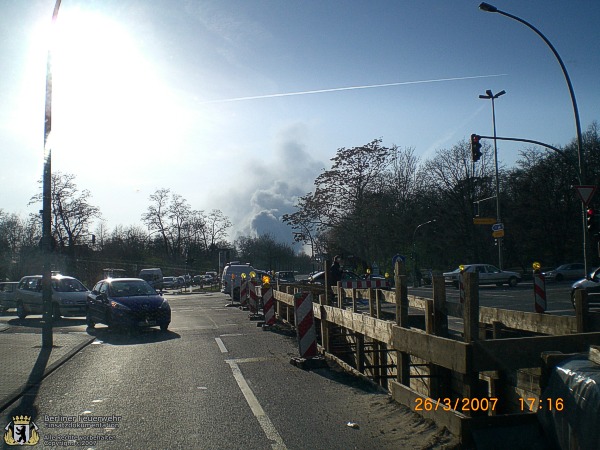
{"x": 253, "y": 300}
{"x": 365, "y": 284}
{"x": 539, "y": 292}
{"x": 269, "y": 306}
{"x": 244, "y": 293}
{"x": 305, "y": 324}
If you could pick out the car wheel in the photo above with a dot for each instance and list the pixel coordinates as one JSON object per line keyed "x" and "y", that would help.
{"x": 21, "y": 314}
{"x": 164, "y": 327}
{"x": 512, "y": 281}
{"x": 88, "y": 320}
{"x": 55, "y": 312}
{"x": 559, "y": 277}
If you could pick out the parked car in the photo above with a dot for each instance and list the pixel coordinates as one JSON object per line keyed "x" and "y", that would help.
{"x": 127, "y": 302}
{"x": 573, "y": 271}
{"x": 179, "y": 282}
{"x": 236, "y": 269}
{"x": 154, "y": 277}
{"x": 591, "y": 284}
{"x": 488, "y": 274}
{"x": 68, "y": 296}
{"x": 8, "y": 291}
{"x": 284, "y": 277}
{"x": 168, "y": 282}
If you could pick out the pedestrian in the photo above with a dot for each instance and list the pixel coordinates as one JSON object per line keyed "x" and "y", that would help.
{"x": 335, "y": 271}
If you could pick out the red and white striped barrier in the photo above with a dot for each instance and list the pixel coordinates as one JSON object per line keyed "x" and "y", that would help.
{"x": 305, "y": 324}
{"x": 365, "y": 284}
{"x": 253, "y": 300}
{"x": 539, "y": 292}
{"x": 269, "y": 307}
{"x": 244, "y": 292}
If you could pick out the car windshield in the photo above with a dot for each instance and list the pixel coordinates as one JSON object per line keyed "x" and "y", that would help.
{"x": 68, "y": 285}
{"x": 131, "y": 289}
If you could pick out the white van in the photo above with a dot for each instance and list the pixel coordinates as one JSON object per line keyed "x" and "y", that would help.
{"x": 237, "y": 269}
{"x": 154, "y": 277}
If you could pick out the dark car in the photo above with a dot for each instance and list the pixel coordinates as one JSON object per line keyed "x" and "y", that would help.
{"x": 573, "y": 271}
{"x": 319, "y": 277}
{"x": 284, "y": 277}
{"x": 128, "y": 303}
{"x": 591, "y": 284}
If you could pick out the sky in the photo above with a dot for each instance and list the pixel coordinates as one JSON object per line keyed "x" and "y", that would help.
{"x": 238, "y": 105}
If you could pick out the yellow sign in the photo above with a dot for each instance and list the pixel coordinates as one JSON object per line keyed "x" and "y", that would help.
{"x": 536, "y": 265}
{"x": 498, "y": 234}
{"x": 484, "y": 221}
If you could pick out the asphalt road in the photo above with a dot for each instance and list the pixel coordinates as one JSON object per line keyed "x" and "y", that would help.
{"x": 213, "y": 381}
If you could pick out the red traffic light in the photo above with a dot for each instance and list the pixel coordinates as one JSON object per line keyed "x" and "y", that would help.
{"x": 475, "y": 147}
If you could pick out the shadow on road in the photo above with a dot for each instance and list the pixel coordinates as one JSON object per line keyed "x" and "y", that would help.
{"x": 131, "y": 337}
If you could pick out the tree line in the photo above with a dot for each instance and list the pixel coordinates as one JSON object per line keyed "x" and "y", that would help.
{"x": 377, "y": 201}
{"x": 172, "y": 235}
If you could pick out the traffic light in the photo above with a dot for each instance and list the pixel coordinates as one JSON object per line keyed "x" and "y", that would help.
{"x": 475, "y": 147}
{"x": 592, "y": 222}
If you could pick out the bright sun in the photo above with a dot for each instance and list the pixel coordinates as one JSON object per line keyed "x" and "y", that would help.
{"x": 107, "y": 99}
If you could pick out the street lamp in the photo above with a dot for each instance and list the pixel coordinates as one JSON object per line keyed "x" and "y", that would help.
{"x": 492, "y": 97}
{"x": 415, "y": 281}
{"x": 582, "y": 171}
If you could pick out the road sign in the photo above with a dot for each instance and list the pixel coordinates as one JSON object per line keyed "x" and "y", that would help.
{"x": 585, "y": 193}
{"x": 498, "y": 227}
{"x": 484, "y": 220}
{"x": 498, "y": 234}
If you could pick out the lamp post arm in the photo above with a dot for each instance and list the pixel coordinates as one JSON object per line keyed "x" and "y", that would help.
{"x": 569, "y": 84}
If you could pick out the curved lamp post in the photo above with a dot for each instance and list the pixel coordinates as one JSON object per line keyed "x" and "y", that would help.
{"x": 415, "y": 281}
{"x": 582, "y": 171}
{"x": 490, "y": 96}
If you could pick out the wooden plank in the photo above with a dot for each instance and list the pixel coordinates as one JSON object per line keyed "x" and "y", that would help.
{"x": 518, "y": 353}
{"x": 437, "y": 350}
{"x": 380, "y": 330}
{"x": 529, "y": 321}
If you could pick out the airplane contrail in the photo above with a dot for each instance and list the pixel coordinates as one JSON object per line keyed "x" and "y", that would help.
{"x": 350, "y": 88}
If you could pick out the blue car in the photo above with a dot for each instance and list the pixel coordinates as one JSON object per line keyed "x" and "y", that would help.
{"x": 127, "y": 303}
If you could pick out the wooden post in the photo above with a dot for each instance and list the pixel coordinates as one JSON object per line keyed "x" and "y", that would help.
{"x": 471, "y": 330}
{"x": 471, "y": 311}
{"x": 354, "y": 305}
{"x": 324, "y": 325}
{"x": 581, "y": 310}
{"x": 340, "y": 295}
{"x": 327, "y": 288}
{"x": 360, "y": 352}
{"x": 378, "y": 295}
{"x": 372, "y": 305}
{"x": 440, "y": 316}
{"x": 403, "y": 358}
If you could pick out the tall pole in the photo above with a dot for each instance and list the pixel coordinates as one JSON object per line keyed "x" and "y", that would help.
{"x": 490, "y": 96}
{"x": 415, "y": 281}
{"x": 582, "y": 169}
{"x": 47, "y": 338}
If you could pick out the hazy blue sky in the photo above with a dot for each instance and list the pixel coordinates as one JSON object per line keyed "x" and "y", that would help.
{"x": 155, "y": 93}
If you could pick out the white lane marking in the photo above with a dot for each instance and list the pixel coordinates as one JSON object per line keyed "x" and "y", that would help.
{"x": 232, "y": 334}
{"x": 221, "y": 345}
{"x": 263, "y": 420}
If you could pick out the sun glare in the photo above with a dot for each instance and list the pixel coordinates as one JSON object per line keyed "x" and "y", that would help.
{"x": 108, "y": 100}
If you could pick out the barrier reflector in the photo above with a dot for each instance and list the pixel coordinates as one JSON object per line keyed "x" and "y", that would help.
{"x": 539, "y": 292}
{"x": 365, "y": 284}
{"x": 253, "y": 300}
{"x": 305, "y": 324}
{"x": 269, "y": 307}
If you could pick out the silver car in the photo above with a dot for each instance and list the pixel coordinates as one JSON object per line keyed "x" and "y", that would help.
{"x": 573, "y": 271}
{"x": 488, "y": 274}
{"x": 69, "y": 296}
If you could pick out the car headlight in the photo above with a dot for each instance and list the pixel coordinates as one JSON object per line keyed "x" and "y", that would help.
{"x": 164, "y": 305}
{"x": 118, "y": 305}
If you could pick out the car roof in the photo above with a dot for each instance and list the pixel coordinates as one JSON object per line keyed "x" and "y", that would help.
{"x": 110, "y": 280}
